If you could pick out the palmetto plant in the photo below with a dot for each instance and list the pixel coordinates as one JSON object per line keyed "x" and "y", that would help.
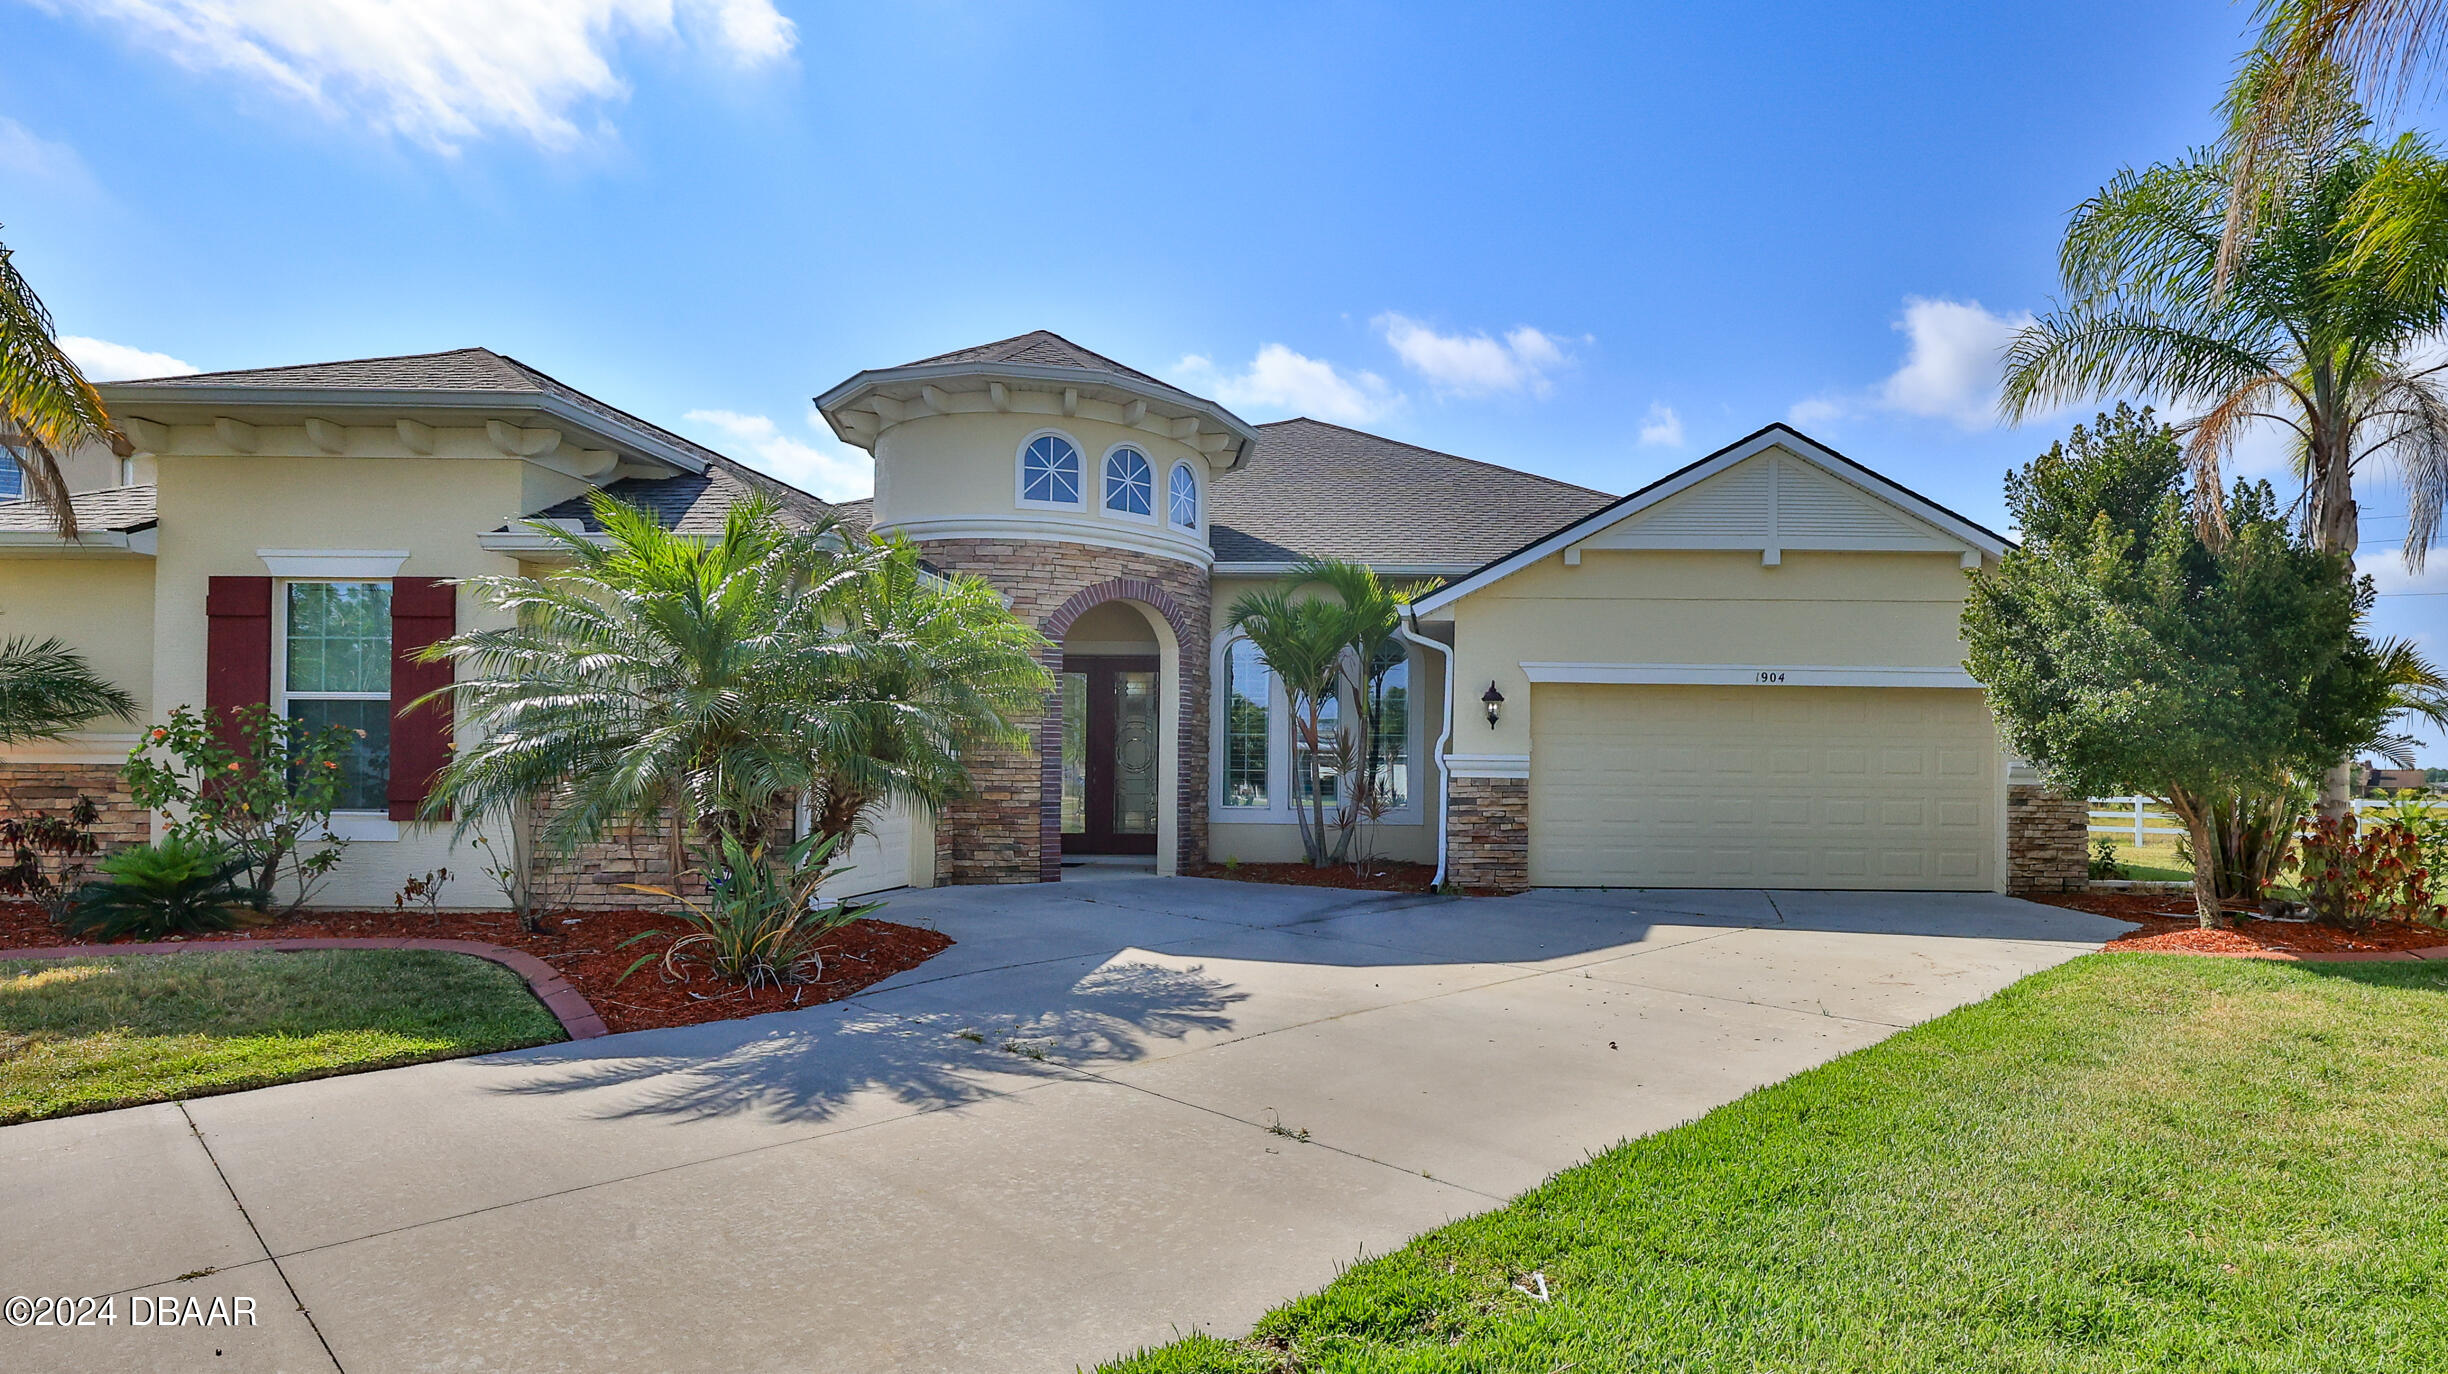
{"x": 46, "y": 406}
{"x": 47, "y": 690}
{"x": 759, "y": 924}
{"x": 715, "y": 679}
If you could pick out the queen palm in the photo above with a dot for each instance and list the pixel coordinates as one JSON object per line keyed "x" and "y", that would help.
{"x": 46, "y": 406}
{"x": 1305, "y": 641}
{"x": 712, "y": 680}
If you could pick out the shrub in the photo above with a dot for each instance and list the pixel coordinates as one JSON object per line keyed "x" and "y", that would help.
{"x": 2104, "y": 863}
{"x": 252, "y": 782}
{"x": 2353, "y": 879}
{"x": 759, "y": 926}
{"x": 2427, "y": 817}
{"x": 47, "y": 854}
{"x": 177, "y": 887}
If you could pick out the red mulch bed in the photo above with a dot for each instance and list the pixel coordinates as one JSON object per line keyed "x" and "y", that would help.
{"x": 2170, "y": 926}
{"x": 1383, "y": 876}
{"x": 585, "y": 949}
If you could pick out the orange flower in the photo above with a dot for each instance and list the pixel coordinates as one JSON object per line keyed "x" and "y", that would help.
{"x": 233, "y": 768}
{"x": 329, "y": 764}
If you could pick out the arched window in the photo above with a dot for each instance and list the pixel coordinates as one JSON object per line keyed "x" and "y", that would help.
{"x": 1050, "y": 471}
{"x": 1183, "y": 503}
{"x": 1130, "y": 484}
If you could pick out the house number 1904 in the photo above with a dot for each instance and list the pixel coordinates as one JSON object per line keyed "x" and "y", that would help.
{"x": 1770, "y": 675}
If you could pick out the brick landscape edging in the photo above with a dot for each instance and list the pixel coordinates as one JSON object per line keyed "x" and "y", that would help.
{"x": 563, "y": 1001}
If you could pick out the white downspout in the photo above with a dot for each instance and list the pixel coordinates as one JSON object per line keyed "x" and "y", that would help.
{"x": 1444, "y": 742}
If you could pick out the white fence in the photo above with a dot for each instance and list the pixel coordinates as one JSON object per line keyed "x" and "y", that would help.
{"x": 2143, "y": 816}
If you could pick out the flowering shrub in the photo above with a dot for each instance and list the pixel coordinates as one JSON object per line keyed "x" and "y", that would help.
{"x": 257, "y": 784}
{"x": 2353, "y": 879}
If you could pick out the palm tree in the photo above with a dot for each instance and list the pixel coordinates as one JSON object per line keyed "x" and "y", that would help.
{"x": 46, "y": 405}
{"x": 940, "y": 670}
{"x": 2417, "y": 692}
{"x": 713, "y": 680}
{"x": 2309, "y": 51}
{"x": 2317, "y": 329}
{"x": 47, "y": 690}
{"x": 1374, "y": 612}
{"x": 1305, "y": 641}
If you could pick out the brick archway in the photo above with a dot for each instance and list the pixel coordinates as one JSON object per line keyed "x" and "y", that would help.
{"x": 1186, "y": 638}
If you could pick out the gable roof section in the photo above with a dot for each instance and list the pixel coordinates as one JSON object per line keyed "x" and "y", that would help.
{"x": 1826, "y": 460}
{"x": 692, "y": 503}
{"x": 1310, "y": 488}
{"x": 461, "y": 377}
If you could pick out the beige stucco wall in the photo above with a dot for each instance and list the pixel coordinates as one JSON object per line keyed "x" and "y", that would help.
{"x": 962, "y": 469}
{"x": 217, "y": 510}
{"x": 1816, "y": 609}
{"x": 102, "y": 606}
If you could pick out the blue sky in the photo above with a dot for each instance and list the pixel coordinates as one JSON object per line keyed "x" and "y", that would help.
{"x": 1591, "y": 241}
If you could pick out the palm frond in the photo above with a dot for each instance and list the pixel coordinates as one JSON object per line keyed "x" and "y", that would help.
{"x": 47, "y": 690}
{"x": 46, "y": 405}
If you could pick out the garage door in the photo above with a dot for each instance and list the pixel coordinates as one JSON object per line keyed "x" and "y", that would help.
{"x": 877, "y": 861}
{"x": 1842, "y": 787}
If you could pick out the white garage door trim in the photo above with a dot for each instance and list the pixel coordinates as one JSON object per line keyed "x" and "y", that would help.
{"x": 1746, "y": 675}
{"x": 1718, "y": 785}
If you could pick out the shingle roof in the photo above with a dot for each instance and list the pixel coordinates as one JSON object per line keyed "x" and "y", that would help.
{"x": 1043, "y": 348}
{"x": 458, "y": 370}
{"x": 857, "y": 515}
{"x": 111, "y": 510}
{"x": 1311, "y": 488}
{"x": 694, "y": 504}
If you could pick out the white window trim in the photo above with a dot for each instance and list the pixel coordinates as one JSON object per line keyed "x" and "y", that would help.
{"x": 1020, "y": 494}
{"x": 374, "y": 825}
{"x": 334, "y": 565}
{"x": 1198, "y": 499}
{"x": 1155, "y": 515}
{"x": 1281, "y": 747}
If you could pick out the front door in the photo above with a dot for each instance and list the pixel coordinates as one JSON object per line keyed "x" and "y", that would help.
{"x": 1110, "y": 739}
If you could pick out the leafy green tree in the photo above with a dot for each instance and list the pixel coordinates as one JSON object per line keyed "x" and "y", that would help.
{"x": 716, "y": 680}
{"x": 47, "y": 689}
{"x": 2154, "y": 661}
{"x": 46, "y": 405}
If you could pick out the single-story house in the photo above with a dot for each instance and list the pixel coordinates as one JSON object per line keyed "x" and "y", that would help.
{"x": 1744, "y": 674}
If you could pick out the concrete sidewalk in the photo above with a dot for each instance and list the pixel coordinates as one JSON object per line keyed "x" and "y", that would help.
{"x": 1076, "y": 1131}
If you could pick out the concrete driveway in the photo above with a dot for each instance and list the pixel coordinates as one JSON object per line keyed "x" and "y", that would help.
{"x": 1117, "y": 1109}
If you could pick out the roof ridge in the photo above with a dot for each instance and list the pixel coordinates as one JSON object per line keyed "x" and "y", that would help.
{"x": 1439, "y": 453}
{"x": 327, "y": 362}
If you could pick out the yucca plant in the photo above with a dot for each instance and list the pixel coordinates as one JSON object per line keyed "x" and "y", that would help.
{"x": 177, "y": 887}
{"x": 759, "y": 924}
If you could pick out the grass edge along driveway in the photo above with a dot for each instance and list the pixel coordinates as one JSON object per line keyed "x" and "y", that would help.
{"x": 82, "y": 1035}
{"x": 2129, "y": 1162}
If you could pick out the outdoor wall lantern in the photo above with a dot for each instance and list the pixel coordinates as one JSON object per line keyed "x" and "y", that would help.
{"x": 1495, "y": 703}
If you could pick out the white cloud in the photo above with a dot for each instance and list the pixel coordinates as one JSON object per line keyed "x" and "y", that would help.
{"x": 1954, "y": 360}
{"x": 1282, "y": 381}
{"x": 1662, "y": 426}
{"x": 828, "y": 469}
{"x": 1475, "y": 364}
{"x": 2390, "y": 575}
{"x": 441, "y": 72}
{"x": 28, "y": 154}
{"x": 103, "y": 361}
{"x": 1952, "y": 368}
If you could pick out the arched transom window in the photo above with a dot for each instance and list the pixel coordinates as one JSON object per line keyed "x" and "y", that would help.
{"x": 1130, "y": 483}
{"x": 1182, "y": 505}
{"x": 1050, "y": 471}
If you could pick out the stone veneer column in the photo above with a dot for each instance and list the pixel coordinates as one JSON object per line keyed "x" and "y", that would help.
{"x": 52, "y": 789}
{"x": 1487, "y": 826}
{"x": 2047, "y": 840}
{"x": 1010, "y": 830}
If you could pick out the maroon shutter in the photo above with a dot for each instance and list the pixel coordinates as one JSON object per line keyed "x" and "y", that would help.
{"x": 237, "y": 648}
{"x": 424, "y": 610}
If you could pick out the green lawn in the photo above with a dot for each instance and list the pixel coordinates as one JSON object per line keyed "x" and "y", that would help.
{"x": 2131, "y": 1162}
{"x": 79, "y": 1035}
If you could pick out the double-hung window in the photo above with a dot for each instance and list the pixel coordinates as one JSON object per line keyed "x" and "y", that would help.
{"x": 1249, "y": 720}
{"x": 335, "y": 669}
